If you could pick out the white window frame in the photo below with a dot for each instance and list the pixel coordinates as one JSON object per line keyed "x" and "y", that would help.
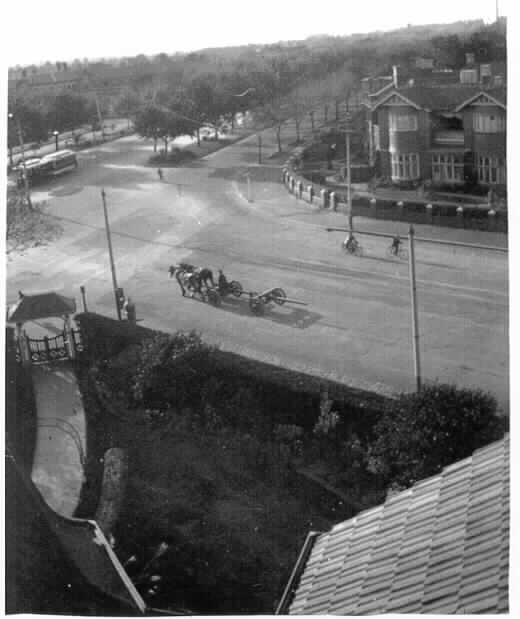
{"x": 402, "y": 119}
{"x": 405, "y": 166}
{"x": 488, "y": 122}
{"x": 468, "y": 76}
{"x": 491, "y": 169}
{"x": 448, "y": 168}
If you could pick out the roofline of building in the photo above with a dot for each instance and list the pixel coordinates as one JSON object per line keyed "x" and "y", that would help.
{"x": 476, "y": 96}
{"x": 385, "y": 87}
{"x": 301, "y": 562}
{"x": 401, "y": 96}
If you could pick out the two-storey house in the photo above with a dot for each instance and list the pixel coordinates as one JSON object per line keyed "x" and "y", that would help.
{"x": 449, "y": 135}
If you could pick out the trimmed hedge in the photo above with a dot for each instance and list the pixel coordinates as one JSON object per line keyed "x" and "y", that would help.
{"x": 289, "y": 396}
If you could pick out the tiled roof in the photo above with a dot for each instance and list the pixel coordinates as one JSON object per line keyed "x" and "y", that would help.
{"x": 443, "y": 98}
{"x": 32, "y": 307}
{"x": 442, "y": 546}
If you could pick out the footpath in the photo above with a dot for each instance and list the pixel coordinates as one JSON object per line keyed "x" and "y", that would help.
{"x": 60, "y": 450}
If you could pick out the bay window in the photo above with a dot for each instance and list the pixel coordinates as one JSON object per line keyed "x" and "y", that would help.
{"x": 402, "y": 120}
{"x": 491, "y": 170}
{"x": 448, "y": 168}
{"x": 405, "y": 166}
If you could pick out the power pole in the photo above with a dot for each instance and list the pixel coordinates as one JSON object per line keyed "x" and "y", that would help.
{"x": 111, "y": 255}
{"x": 415, "y": 318}
{"x": 100, "y": 117}
{"x": 249, "y": 188}
{"x": 349, "y": 185}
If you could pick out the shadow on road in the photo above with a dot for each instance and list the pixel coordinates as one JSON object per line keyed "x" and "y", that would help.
{"x": 298, "y": 317}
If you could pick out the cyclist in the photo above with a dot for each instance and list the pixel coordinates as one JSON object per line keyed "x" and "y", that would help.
{"x": 396, "y": 244}
{"x": 350, "y": 243}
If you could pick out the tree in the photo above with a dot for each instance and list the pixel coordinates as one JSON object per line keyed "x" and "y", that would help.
{"x": 148, "y": 120}
{"x": 420, "y": 433}
{"x": 161, "y": 122}
{"x": 69, "y": 111}
{"x": 127, "y": 103}
{"x": 32, "y": 121}
{"x": 206, "y": 101}
{"x": 273, "y": 114}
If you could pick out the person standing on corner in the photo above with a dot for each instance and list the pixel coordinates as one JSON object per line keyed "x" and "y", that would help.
{"x": 160, "y": 174}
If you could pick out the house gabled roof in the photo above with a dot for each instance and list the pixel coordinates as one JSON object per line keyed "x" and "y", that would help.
{"x": 496, "y": 97}
{"x": 442, "y": 546}
{"x": 442, "y": 98}
{"x": 394, "y": 95}
{"x": 32, "y": 307}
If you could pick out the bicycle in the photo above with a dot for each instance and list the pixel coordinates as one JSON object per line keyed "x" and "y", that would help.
{"x": 399, "y": 252}
{"x": 352, "y": 246}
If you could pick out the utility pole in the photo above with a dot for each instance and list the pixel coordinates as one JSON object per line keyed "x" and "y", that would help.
{"x": 100, "y": 117}
{"x": 111, "y": 255}
{"x": 259, "y": 148}
{"x": 415, "y": 318}
{"x": 349, "y": 186}
{"x": 249, "y": 188}
{"x": 348, "y": 171}
{"x": 22, "y": 149}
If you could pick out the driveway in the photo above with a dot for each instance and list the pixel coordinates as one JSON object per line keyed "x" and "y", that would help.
{"x": 60, "y": 438}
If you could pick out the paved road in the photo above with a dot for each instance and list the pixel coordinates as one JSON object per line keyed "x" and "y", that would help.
{"x": 356, "y": 327}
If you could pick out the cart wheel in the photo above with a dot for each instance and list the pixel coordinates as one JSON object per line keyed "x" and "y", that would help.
{"x": 278, "y": 295}
{"x": 236, "y": 288}
{"x": 214, "y": 298}
{"x": 256, "y": 305}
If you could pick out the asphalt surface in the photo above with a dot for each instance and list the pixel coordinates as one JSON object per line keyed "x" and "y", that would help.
{"x": 356, "y": 326}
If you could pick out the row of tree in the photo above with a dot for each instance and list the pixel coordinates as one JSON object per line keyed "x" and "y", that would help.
{"x": 184, "y": 92}
{"x": 64, "y": 112}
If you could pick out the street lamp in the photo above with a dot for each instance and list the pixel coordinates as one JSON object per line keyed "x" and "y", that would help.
{"x": 56, "y": 134}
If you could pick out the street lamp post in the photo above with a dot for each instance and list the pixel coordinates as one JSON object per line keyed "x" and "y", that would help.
{"x": 111, "y": 255}
{"x": 415, "y": 313}
{"x": 11, "y": 116}
{"x": 348, "y": 131}
{"x": 56, "y": 134}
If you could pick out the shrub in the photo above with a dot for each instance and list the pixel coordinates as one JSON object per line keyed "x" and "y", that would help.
{"x": 420, "y": 433}
{"x": 170, "y": 371}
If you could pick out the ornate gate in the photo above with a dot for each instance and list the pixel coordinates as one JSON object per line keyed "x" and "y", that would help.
{"x": 53, "y": 348}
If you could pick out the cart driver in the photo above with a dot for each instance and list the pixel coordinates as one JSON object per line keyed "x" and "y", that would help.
{"x": 222, "y": 281}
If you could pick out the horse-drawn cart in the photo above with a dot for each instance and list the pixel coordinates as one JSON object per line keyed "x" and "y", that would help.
{"x": 189, "y": 278}
{"x": 257, "y": 302}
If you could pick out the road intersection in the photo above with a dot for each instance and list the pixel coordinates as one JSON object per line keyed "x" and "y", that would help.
{"x": 356, "y": 327}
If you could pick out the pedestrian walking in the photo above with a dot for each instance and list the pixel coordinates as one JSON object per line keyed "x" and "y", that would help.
{"x": 160, "y": 174}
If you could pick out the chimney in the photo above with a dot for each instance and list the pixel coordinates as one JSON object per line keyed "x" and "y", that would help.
{"x": 394, "y": 75}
